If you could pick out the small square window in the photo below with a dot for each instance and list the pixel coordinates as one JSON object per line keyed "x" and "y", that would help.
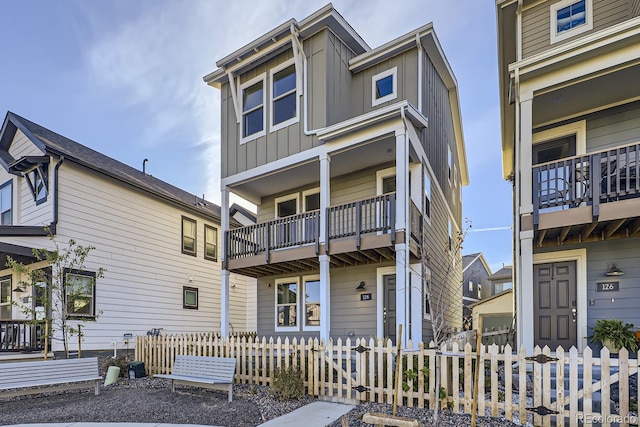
{"x": 188, "y": 236}
{"x": 570, "y": 18}
{"x": 210, "y": 243}
{"x": 384, "y": 86}
{"x": 190, "y": 298}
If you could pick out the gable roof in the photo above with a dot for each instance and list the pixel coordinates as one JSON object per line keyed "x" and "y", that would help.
{"x": 503, "y": 273}
{"x": 56, "y": 145}
{"x": 235, "y": 208}
{"x": 467, "y": 260}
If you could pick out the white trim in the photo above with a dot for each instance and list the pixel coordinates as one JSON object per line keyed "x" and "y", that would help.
{"x": 394, "y": 86}
{"x": 286, "y": 198}
{"x": 287, "y": 280}
{"x": 380, "y": 273}
{"x": 262, "y": 77}
{"x": 579, "y": 129}
{"x": 580, "y": 257}
{"x": 553, "y": 10}
{"x": 305, "y": 193}
{"x": 382, "y": 174}
{"x": 296, "y": 118}
{"x": 303, "y": 302}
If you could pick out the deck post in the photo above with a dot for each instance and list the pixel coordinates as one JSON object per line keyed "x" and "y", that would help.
{"x": 224, "y": 292}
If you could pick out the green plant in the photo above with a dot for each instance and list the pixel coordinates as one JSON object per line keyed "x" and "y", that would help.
{"x": 615, "y": 334}
{"x": 288, "y": 383}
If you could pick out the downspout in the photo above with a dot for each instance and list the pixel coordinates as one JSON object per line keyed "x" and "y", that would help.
{"x": 295, "y": 36}
{"x": 56, "y": 175}
{"x": 420, "y": 66}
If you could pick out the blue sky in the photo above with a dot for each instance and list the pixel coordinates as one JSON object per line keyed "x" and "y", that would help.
{"x": 125, "y": 78}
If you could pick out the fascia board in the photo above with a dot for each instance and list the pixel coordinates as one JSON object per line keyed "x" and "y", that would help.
{"x": 358, "y": 122}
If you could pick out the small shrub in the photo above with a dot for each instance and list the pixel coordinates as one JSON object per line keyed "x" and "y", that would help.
{"x": 288, "y": 383}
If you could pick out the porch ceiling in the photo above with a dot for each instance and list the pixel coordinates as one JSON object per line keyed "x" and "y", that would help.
{"x": 356, "y": 157}
{"x": 587, "y": 95}
{"x": 19, "y": 253}
{"x": 595, "y": 231}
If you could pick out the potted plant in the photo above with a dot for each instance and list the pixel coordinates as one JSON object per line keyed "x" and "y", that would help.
{"x": 614, "y": 334}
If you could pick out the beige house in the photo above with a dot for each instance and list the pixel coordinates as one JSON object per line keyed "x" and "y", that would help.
{"x": 570, "y": 109}
{"x": 159, "y": 244}
{"x": 355, "y": 159}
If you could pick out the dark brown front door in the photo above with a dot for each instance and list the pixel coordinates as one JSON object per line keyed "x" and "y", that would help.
{"x": 389, "y": 309}
{"x": 555, "y": 305}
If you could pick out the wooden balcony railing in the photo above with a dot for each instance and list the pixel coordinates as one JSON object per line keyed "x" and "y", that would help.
{"x": 374, "y": 215}
{"x": 590, "y": 179}
{"x": 294, "y": 230}
{"x": 20, "y": 335}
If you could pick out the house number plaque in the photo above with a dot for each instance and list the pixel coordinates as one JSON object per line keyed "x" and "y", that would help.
{"x": 365, "y": 297}
{"x": 608, "y": 286}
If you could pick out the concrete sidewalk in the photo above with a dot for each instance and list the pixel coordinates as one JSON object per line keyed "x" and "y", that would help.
{"x": 316, "y": 414}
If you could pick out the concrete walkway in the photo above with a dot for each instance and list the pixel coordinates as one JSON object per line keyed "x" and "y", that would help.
{"x": 316, "y": 414}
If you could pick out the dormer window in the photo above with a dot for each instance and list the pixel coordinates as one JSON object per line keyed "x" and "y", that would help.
{"x": 569, "y": 18}
{"x": 384, "y": 86}
{"x": 284, "y": 96}
{"x": 253, "y": 112}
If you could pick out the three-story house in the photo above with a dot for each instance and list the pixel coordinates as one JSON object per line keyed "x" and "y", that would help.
{"x": 355, "y": 159}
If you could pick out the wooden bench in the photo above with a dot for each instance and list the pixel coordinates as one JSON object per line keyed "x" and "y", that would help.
{"x": 202, "y": 371}
{"x": 31, "y": 377}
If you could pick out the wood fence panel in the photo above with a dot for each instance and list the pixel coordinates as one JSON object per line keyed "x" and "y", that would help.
{"x": 455, "y": 372}
{"x": 468, "y": 378}
{"x": 494, "y": 380}
{"x": 605, "y": 382}
{"x": 421, "y": 375}
{"x": 481, "y": 367}
{"x": 546, "y": 385}
{"x": 623, "y": 384}
{"x": 573, "y": 386}
{"x": 560, "y": 386}
{"x": 508, "y": 379}
{"x": 587, "y": 385}
{"x": 522, "y": 386}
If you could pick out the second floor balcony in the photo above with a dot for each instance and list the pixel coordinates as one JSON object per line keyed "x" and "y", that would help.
{"x": 587, "y": 197}
{"x": 358, "y": 232}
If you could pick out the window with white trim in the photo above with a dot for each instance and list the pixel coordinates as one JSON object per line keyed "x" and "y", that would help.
{"x": 427, "y": 195}
{"x": 287, "y": 205}
{"x": 570, "y": 18}
{"x": 384, "y": 86}
{"x": 6, "y": 203}
{"x": 210, "y": 243}
{"x": 425, "y": 292}
{"x": 80, "y": 289}
{"x": 188, "y": 236}
{"x": 253, "y": 111}
{"x": 287, "y": 301}
{"x": 311, "y": 303}
{"x": 284, "y": 96}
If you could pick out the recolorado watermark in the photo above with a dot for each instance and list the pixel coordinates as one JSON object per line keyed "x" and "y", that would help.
{"x": 609, "y": 418}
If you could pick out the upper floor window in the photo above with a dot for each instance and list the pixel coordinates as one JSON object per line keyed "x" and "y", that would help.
{"x": 40, "y": 185}
{"x": 449, "y": 163}
{"x": 384, "y": 86}
{"x": 6, "y": 203}
{"x": 427, "y": 195}
{"x": 80, "y": 290}
{"x": 253, "y": 111}
{"x": 188, "y": 236}
{"x": 284, "y": 99}
{"x": 569, "y": 18}
{"x": 210, "y": 243}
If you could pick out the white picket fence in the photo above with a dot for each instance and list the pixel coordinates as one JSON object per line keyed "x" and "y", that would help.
{"x": 566, "y": 386}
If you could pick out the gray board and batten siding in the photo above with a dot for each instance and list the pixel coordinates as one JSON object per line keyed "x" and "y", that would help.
{"x": 617, "y": 304}
{"x": 536, "y": 22}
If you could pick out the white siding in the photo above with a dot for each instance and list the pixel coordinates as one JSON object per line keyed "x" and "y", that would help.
{"x": 138, "y": 241}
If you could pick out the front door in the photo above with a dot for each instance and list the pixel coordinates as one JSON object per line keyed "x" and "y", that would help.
{"x": 555, "y": 305}
{"x": 389, "y": 306}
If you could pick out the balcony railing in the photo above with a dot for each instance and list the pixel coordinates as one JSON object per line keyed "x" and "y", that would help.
{"x": 374, "y": 215}
{"x": 589, "y": 179}
{"x": 20, "y": 335}
{"x": 294, "y": 230}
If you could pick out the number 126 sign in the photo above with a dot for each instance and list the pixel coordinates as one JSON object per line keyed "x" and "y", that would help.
{"x": 608, "y": 286}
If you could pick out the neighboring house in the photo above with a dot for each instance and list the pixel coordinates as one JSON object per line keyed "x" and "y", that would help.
{"x": 159, "y": 244}
{"x": 346, "y": 151}
{"x": 496, "y": 311}
{"x": 242, "y": 215}
{"x": 570, "y": 109}
{"x": 500, "y": 281}
{"x": 475, "y": 272}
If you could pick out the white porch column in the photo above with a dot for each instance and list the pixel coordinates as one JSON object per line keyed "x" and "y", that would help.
{"x": 224, "y": 283}
{"x": 403, "y": 284}
{"x": 416, "y": 304}
{"x": 524, "y": 263}
{"x": 324, "y": 259}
